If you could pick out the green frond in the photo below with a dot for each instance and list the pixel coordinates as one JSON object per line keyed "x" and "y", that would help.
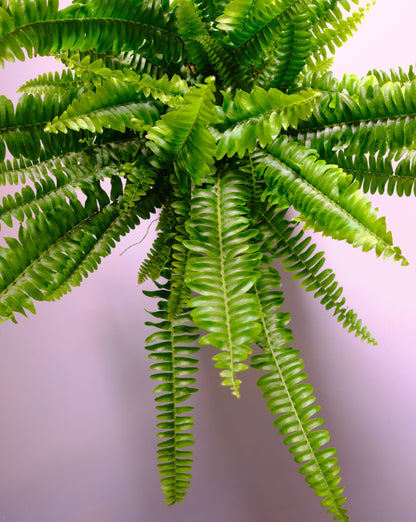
{"x": 291, "y": 400}
{"x": 332, "y": 31}
{"x": 259, "y": 116}
{"x": 253, "y": 23}
{"x": 210, "y": 9}
{"x": 289, "y": 57}
{"x": 73, "y": 164}
{"x": 56, "y": 82}
{"x": 393, "y": 173}
{"x": 222, "y": 270}
{"x": 192, "y": 29}
{"x": 327, "y": 198}
{"x": 225, "y": 64}
{"x": 111, "y": 26}
{"x": 114, "y": 105}
{"x": 22, "y": 129}
{"x": 165, "y": 89}
{"x": 58, "y": 248}
{"x": 46, "y": 192}
{"x": 130, "y": 60}
{"x": 179, "y": 291}
{"x": 363, "y": 117}
{"x": 159, "y": 253}
{"x": 173, "y": 368}
{"x": 298, "y": 255}
{"x": 181, "y": 137}
{"x": 398, "y": 75}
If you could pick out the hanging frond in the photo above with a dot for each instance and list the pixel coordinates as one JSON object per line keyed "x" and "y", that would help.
{"x": 141, "y": 27}
{"x": 114, "y": 105}
{"x": 53, "y": 82}
{"x": 22, "y": 129}
{"x": 159, "y": 254}
{"x": 394, "y": 173}
{"x": 176, "y": 135}
{"x": 369, "y": 118}
{"x": 398, "y": 75}
{"x": 327, "y": 198}
{"x": 332, "y": 31}
{"x": 290, "y": 55}
{"x": 222, "y": 269}
{"x": 259, "y": 116}
{"x": 72, "y": 164}
{"x": 55, "y": 251}
{"x": 179, "y": 291}
{"x": 192, "y": 29}
{"x": 47, "y": 192}
{"x": 298, "y": 255}
{"x": 291, "y": 400}
{"x": 174, "y": 368}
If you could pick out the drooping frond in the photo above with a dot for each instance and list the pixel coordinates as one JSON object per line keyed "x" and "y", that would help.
{"x": 175, "y": 136}
{"x": 159, "y": 253}
{"x": 47, "y": 192}
{"x": 138, "y": 26}
{"x": 125, "y": 60}
{"x": 174, "y": 367}
{"x": 221, "y": 270}
{"x": 298, "y": 255}
{"x": 289, "y": 57}
{"x": 210, "y": 9}
{"x": 22, "y": 128}
{"x": 332, "y": 31}
{"x": 179, "y": 290}
{"x": 398, "y": 75}
{"x": 363, "y": 117}
{"x": 393, "y": 173}
{"x": 327, "y": 198}
{"x": 49, "y": 82}
{"x": 259, "y": 116}
{"x": 55, "y": 251}
{"x": 192, "y": 29}
{"x": 291, "y": 400}
{"x": 114, "y": 105}
{"x": 72, "y": 164}
{"x": 165, "y": 89}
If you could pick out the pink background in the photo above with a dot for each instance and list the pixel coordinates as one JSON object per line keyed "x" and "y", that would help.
{"x": 77, "y": 435}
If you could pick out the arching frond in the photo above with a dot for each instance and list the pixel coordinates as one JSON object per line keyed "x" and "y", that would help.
{"x": 325, "y": 196}
{"x": 298, "y": 255}
{"x": 139, "y": 26}
{"x": 22, "y": 128}
{"x": 398, "y": 75}
{"x": 175, "y": 135}
{"x": 332, "y": 31}
{"x": 222, "y": 271}
{"x": 159, "y": 254}
{"x": 289, "y": 57}
{"x": 114, "y": 105}
{"x": 291, "y": 400}
{"x": 394, "y": 173}
{"x": 363, "y": 117}
{"x": 55, "y": 251}
{"x": 173, "y": 368}
{"x": 259, "y": 116}
{"x": 73, "y": 164}
{"x": 58, "y": 83}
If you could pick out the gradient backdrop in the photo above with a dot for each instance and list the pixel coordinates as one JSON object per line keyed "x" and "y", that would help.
{"x": 77, "y": 435}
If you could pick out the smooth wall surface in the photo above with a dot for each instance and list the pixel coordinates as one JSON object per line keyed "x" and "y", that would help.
{"x": 77, "y": 431}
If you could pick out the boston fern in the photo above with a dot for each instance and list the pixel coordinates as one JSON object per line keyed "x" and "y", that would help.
{"x": 224, "y": 119}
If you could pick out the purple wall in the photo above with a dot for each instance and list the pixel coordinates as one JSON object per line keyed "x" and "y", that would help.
{"x": 77, "y": 436}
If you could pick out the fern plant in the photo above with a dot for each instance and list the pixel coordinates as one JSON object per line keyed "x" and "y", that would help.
{"x": 219, "y": 117}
